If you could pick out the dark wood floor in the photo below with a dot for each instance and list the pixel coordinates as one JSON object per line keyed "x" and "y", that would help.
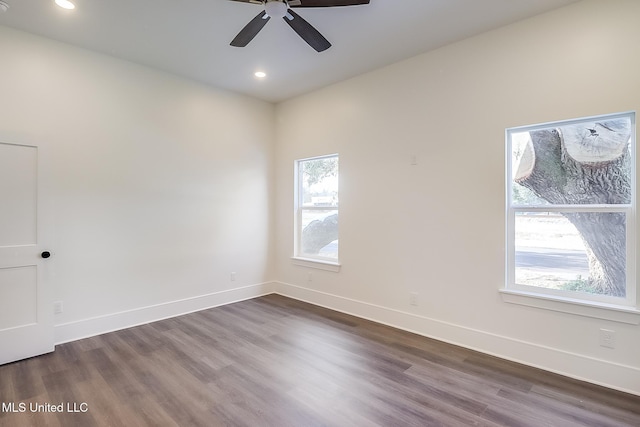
{"x": 273, "y": 361}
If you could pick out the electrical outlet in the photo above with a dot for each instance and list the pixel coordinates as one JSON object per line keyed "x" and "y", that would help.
{"x": 57, "y": 307}
{"x": 233, "y": 276}
{"x": 413, "y": 298}
{"x": 310, "y": 277}
{"x": 607, "y": 338}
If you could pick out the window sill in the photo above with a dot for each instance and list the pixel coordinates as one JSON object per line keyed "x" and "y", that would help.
{"x": 615, "y": 313}
{"x": 316, "y": 263}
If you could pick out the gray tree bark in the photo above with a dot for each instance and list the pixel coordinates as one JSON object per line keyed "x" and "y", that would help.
{"x": 576, "y": 164}
{"x": 318, "y": 234}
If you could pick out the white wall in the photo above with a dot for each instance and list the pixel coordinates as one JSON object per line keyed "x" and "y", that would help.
{"x": 437, "y": 228}
{"x": 161, "y": 186}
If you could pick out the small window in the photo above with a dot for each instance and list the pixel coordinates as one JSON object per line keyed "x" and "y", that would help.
{"x": 316, "y": 230}
{"x": 570, "y": 209}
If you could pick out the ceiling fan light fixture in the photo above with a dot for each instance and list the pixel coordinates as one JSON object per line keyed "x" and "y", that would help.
{"x": 65, "y": 4}
{"x": 276, "y": 8}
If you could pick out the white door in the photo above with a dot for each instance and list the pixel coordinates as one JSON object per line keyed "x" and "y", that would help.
{"x": 26, "y": 309}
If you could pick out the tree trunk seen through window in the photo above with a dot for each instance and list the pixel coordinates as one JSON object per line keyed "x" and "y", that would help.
{"x": 319, "y": 233}
{"x": 576, "y": 165}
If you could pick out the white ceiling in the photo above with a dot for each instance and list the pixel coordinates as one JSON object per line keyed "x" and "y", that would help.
{"x": 191, "y": 38}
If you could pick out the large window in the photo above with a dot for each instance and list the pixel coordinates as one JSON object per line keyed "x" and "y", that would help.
{"x": 571, "y": 209}
{"x": 316, "y": 236}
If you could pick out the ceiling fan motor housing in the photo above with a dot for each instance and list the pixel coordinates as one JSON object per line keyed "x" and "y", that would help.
{"x": 276, "y": 8}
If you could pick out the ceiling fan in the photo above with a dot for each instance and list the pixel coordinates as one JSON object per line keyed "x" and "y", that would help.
{"x": 282, "y": 9}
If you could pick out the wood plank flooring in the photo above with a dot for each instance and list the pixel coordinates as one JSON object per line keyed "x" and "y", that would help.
{"x": 274, "y": 361}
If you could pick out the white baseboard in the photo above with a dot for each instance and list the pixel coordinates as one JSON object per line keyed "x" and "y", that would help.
{"x": 577, "y": 366}
{"x": 85, "y": 328}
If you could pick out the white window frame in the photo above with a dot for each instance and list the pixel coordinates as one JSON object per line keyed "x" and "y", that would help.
{"x": 599, "y": 306}
{"x": 308, "y": 260}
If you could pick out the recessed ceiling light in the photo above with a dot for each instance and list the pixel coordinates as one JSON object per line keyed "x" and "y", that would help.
{"x": 260, "y": 74}
{"x": 65, "y": 4}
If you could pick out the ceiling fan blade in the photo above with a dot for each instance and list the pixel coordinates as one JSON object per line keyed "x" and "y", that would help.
{"x": 250, "y": 30}
{"x": 324, "y": 3}
{"x": 249, "y": 1}
{"x": 307, "y": 32}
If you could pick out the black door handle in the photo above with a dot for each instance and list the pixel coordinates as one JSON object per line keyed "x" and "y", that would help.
{"x": 45, "y": 254}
